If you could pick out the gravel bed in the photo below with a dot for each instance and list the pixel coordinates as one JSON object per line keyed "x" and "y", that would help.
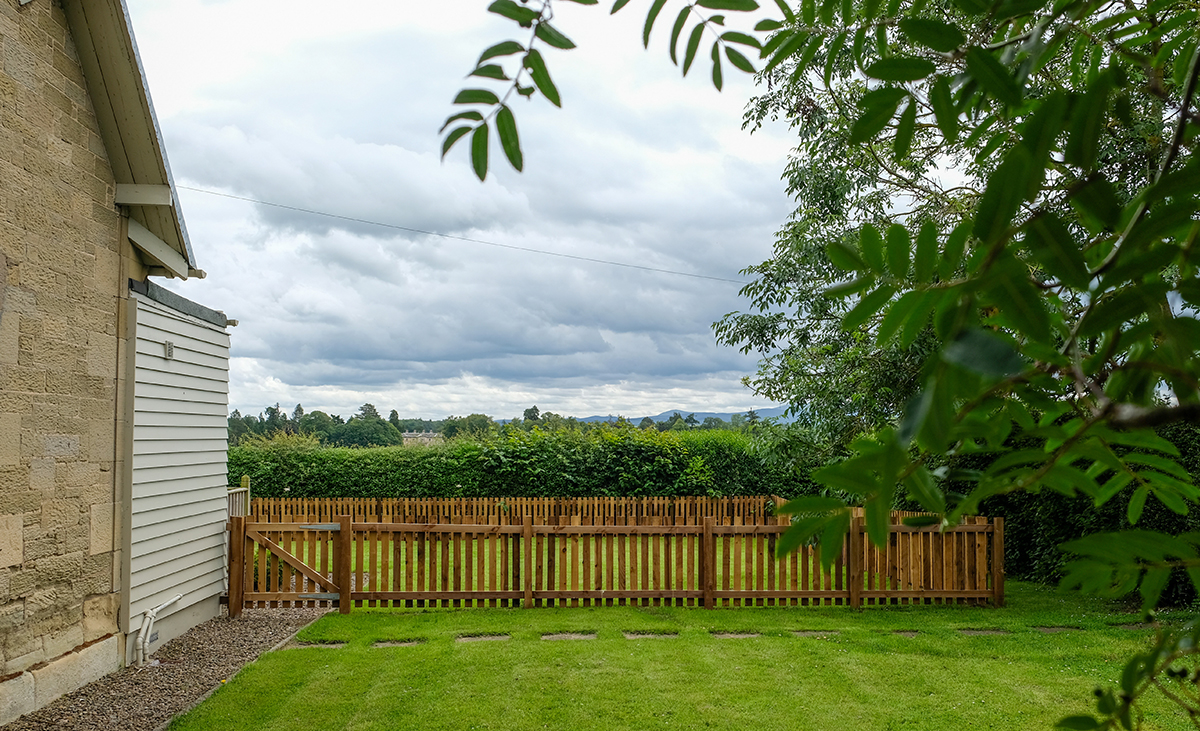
{"x": 189, "y": 667}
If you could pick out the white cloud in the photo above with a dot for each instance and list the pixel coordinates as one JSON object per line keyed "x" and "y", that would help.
{"x": 338, "y": 112}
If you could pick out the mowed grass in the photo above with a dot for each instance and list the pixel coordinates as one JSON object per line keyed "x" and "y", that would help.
{"x": 863, "y": 677}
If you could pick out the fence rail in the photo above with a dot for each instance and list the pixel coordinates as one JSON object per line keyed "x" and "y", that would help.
{"x": 357, "y": 563}
{"x": 743, "y": 510}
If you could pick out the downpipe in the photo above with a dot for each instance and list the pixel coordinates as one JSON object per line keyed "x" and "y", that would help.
{"x": 143, "y": 640}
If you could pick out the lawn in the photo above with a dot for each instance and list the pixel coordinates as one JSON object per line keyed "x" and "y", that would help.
{"x": 856, "y": 672}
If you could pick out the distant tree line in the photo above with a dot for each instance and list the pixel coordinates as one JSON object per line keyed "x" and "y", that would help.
{"x": 368, "y": 428}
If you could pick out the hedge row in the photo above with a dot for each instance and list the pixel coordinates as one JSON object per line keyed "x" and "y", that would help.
{"x": 1037, "y": 524}
{"x": 605, "y": 462}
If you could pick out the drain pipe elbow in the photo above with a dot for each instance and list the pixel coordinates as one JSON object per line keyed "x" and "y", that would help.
{"x": 143, "y": 640}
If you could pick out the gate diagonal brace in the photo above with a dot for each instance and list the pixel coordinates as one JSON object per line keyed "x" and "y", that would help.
{"x": 291, "y": 560}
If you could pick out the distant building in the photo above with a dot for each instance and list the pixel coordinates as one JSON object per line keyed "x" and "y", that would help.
{"x": 422, "y": 437}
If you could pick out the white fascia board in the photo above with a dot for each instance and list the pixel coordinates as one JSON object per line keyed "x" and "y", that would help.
{"x": 171, "y": 259}
{"x": 143, "y": 195}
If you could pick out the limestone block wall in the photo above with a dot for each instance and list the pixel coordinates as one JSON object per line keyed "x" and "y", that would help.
{"x": 64, "y": 261}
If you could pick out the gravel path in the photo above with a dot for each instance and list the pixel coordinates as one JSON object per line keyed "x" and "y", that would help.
{"x": 188, "y": 667}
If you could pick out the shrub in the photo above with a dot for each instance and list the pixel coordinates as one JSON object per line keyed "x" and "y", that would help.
{"x": 610, "y": 461}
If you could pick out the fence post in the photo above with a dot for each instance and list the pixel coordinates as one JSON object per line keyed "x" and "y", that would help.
{"x": 998, "y": 562}
{"x": 708, "y": 547}
{"x": 343, "y": 554}
{"x": 237, "y": 565}
{"x": 854, "y": 562}
{"x": 246, "y": 487}
{"x": 527, "y": 533}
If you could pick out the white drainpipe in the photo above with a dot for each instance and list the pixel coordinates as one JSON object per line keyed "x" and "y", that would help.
{"x": 143, "y": 640}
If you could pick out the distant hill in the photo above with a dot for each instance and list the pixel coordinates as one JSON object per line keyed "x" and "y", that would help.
{"x": 700, "y": 415}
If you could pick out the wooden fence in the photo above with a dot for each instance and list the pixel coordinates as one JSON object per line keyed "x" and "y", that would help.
{"x": 707, "y": 565}
{"x": 745, "y": 510}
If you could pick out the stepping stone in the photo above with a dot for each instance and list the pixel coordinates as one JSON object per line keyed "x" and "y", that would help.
{"x": 298, "y": 644}
{"x": 1136, "y": 625}
{"x": 815, "y": 632}
{"x": 906, "y": 632}
{"x": 482, "y": 638}
{"x": 649, "y": 635}
{"x": 977, "y": 632}
{"x": 570, "y": 636}
{"x": 398, "y": 643}
{"x": 734, "y": 635}
{"x": 1056, "y": 630}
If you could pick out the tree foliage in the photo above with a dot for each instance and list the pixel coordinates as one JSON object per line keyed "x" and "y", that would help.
{"x": 1018, "y": 186}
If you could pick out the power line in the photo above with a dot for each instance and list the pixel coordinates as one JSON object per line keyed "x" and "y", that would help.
{"x": 461, "y": 238}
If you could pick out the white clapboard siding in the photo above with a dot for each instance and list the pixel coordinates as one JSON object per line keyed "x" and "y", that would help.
{"x": 179, "y": 459}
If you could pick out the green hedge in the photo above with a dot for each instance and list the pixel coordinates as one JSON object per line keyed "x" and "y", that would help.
{"x": 602, "y": 462}
{"x": 1037, "y": 524}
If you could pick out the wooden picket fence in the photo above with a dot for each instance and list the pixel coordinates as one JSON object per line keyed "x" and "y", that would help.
{"x": 380, "y": 564}
{"x": 742, "y": 510}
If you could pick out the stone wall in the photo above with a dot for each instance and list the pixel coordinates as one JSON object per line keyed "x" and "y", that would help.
{"x": 64, "y": 261}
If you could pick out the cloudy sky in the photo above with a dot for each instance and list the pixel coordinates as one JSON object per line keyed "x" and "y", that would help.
{"x": 335, "y": 107}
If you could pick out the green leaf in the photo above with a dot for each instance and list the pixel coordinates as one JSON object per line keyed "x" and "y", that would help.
{"x": 716, "y": 69}
{"x": 506, "y": 127}
{"x": 507, "y": 48}
{"x": 993, "y": 76}
{"x": 952, "y": 250}
{"x": 844, "y": 258}
{"x": 925, "y": 261}
{"x": 934, "y": 34}
{"x": 1003, "y": 196}
{"x": 738, "y": 60}
{"x": 983, "y": 352}
{"x": 871, "y": 244}
{"x": 1136, "y": 504}
{"x": 900, "y": 68}
{"x": 899, "y": 247}
{"x": 680, "y": 22}
{"x": 811, "y": 504}
{"x": 786, "y": 9}
{"x": 733, "y": 36}
{"x": 905, "y": 129}
{"x": 692, "y": 46}
{"x": 479, "y": 151}
{"x": 943, "y": 109}
{"x": 453, "y": 137}
{"x": 1019, "y": 304}
{"x": 793, "y": 43}
{"x": 878, "y": 516}
{"x": 617, "y": 6}
{"x": 867, "y": 307}
{"x": 476, "y": 96}
{"x": 553, "y": 37}
{"x": 1078, "y": 723}
{"x": 472, "y": 115}
{"x": 854, "y": 286}
{"x": 1087, "y": 124}
{"x": 767, "y": 25}
{"x": 922, "y": 488}
{"x": 915, "y": 412}
{"x": 879, "y": 108}
{"x": 511, "y": 10}
{"x": 898, "y": 315}
{"x": 491, "y": 71}
{"x": 831, "y": 56}
{"x": 741, "y": 6}
{"x": 1053, "y": 246}
{"x": 541, "y": 77}
{"x": 651, "y": 16}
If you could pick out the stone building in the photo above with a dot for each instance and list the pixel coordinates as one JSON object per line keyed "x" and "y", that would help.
{"x": 112, "y": 390}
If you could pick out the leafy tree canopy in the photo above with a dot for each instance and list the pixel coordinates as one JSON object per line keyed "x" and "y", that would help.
{"x": 995, "y": 245}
